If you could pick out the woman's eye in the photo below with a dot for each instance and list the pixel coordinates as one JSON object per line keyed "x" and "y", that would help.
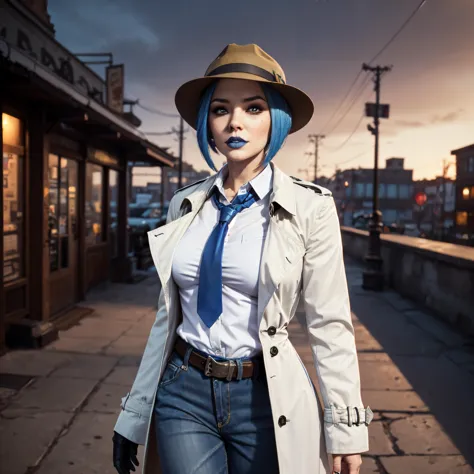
{"x": 219, "y": 111}
{"x": 255, "y": 109}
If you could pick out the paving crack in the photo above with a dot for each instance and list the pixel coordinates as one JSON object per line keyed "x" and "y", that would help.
{"x": 386, "y": 424}
{"x": 380, "y": 466}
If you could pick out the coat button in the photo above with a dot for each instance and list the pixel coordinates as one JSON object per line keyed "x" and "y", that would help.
{"x": 282, "y": 421}
{"x": 272, "y": 330}
{"x": 273, "y": 351}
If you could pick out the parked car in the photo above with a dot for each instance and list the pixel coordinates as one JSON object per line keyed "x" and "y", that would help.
{"x": 144, "y": 218}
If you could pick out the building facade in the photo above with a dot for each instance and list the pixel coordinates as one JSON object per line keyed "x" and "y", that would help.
{"x": 464, "y": 195}
{"x": 436, "y": 217}
{"x": 354, "y": 193}
{"x": 64, "y": 199}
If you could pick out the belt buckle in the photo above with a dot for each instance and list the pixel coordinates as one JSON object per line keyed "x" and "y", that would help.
{"x": 208, "y": 366}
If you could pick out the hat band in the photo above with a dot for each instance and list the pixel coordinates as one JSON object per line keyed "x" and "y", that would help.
{"x": 243, "y": 67}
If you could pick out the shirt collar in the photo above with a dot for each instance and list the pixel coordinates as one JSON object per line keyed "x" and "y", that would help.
{"x": 261, "y": 184}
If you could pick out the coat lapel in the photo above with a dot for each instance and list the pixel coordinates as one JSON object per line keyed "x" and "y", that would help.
{"x": 281, "y": 249}
{"x": 164, "y": 240}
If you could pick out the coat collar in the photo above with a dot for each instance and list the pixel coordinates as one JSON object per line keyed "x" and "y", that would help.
{"x": 283, "y": 192}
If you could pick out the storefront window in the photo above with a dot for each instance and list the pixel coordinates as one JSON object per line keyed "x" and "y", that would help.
{"x": 62, "y": 207}
{"x": 113, "y": 219}
{"x": 13, "y": 200}
{"x": 94, "y": 200}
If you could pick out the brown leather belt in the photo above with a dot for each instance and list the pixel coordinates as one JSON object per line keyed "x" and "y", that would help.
{"x": 213, "y": 368}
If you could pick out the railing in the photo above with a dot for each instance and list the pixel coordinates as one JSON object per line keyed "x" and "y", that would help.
{"x": 438, "y": 275}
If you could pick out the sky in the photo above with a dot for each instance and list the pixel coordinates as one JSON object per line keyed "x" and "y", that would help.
{"x": 321, "y": 45}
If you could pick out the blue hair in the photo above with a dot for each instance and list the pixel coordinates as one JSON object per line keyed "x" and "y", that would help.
{"x": 280, "y": 114}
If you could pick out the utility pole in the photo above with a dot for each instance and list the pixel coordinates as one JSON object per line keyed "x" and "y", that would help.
{"x": 373, "y": 277}
{"x": 315, "y": 138}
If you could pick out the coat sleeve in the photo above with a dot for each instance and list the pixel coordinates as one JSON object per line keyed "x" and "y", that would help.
{"x": 331, "y": 335}
{"x": 137, "y": 405}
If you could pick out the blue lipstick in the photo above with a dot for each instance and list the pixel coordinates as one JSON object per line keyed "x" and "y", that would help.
{"x": 236, "y": 142}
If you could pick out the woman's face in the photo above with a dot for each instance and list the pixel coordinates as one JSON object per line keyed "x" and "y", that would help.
{"x": 239, "y": 119}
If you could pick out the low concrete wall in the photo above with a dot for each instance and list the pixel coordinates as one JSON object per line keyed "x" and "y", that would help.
{"x": 438, "y": 275}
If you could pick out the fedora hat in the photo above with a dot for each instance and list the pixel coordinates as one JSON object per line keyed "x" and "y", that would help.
{"x": 244, "y": 62}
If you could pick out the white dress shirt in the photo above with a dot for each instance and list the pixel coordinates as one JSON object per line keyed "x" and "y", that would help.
{"x": 235, "y": 333}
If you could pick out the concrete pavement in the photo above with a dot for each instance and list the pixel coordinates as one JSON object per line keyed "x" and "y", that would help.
{"x": 58, "y": 405}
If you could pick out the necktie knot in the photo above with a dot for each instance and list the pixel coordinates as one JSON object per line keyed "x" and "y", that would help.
{"x": 241, "y": 202}
{"x": 227, "y": 213}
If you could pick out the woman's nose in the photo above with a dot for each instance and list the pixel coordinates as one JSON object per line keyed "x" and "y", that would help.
{"x": 235, "y": 123}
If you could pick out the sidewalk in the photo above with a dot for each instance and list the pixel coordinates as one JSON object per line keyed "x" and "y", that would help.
{"x": 417, "y": 375}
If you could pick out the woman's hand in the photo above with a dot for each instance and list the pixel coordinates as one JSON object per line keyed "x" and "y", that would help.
{"x": 346, "y": 463}
{"x": 124, "y": 454}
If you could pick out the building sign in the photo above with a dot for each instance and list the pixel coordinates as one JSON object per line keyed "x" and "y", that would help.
{"x": 115, "y": 88}
{"x": 102, "y": 157}
{"x": 371, "y": 110}
{"x": 22, "y": 35}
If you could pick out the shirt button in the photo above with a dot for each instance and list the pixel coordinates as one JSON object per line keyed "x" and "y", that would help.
{"x": 273, "y": 351}
{"x": 272, "y": 330}
{"x": 282, "y": 421}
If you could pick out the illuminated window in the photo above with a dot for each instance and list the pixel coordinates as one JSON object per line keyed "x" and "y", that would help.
{"x": 94, "y": 200}
{"x": 62, "y": 208}
{"x": 13, "y": 198}
{"x": 461, "y": 218}
{"x": 465, "y": 193}
{"x": 113, "y": 208}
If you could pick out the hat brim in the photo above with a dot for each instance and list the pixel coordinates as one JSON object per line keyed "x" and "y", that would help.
{"x": 188, "y": 97}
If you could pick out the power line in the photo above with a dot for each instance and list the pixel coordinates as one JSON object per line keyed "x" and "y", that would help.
{"x": 349, "y": 137}
{"x": 359, "y": 92}
{"x": 353, "y": 158}
{"x": 152, "y": 110}
{"x": 160, "y": 133}
{"x": 390, "y": 41}
{"x": 342, "y": 101}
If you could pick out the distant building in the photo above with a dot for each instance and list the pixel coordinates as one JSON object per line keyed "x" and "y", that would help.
{"x": 436, "y": 216}
{"x": 353, "y": 191}
{"x": 464, "y": 194}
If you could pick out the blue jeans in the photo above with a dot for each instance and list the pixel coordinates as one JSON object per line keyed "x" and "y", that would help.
{"x": 212, "y": 426}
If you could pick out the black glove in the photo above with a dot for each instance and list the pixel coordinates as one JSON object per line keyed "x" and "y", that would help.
{"x": 124, "y": 454}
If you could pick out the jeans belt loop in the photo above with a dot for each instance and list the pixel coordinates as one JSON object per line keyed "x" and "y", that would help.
{"x": 186, "y": 357}
{"x": 230, "y": 371}
{"x": 240, "y": 369}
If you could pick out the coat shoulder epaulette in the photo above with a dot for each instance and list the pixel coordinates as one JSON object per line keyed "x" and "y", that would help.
{"x": 313, "y": 187}
{"x": 190, "y": 185}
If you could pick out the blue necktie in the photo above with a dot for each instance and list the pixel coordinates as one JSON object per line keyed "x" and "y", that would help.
{"x": 209, "y": 306}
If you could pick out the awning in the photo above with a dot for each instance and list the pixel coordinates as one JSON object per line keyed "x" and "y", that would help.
{"x": 83, "y": 112}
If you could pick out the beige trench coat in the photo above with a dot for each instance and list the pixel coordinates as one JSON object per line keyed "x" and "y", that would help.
{"x": 302, "y": 257}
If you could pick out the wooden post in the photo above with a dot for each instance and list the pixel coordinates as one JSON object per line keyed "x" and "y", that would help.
{"x": 2, "y": 293}
{"x": 38, "y": 186}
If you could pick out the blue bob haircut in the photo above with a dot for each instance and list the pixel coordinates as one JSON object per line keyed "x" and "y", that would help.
{"x": 280, "y": 114}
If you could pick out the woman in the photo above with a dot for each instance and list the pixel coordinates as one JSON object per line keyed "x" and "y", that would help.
{"x": 220, "y": 388}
